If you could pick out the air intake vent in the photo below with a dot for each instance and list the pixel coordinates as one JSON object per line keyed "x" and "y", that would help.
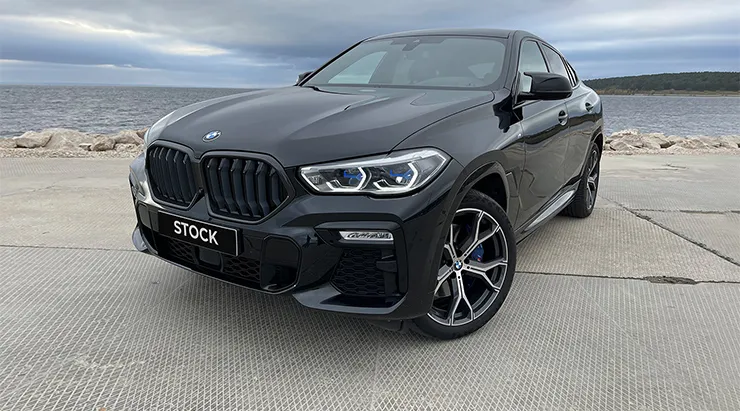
{"x": 357, "y": 273}
{"x": 243, "y": 188}
{"x": 171, "y": 175}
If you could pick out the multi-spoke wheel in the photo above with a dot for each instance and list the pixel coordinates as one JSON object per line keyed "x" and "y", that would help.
{"x": 592, "y": 181}
{"x": 583, "y": 202}
{"x": 475, "y": 271}
{"x": 466, "y": 283}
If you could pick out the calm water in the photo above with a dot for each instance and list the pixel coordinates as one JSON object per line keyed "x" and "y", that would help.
{"x": 108, "y": 109}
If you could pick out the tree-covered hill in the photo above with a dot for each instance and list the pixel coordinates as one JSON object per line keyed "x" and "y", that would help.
{"x": 707, "y": 81}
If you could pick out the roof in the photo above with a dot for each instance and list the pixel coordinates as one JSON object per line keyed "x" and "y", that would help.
{"x": 501, "y": 33}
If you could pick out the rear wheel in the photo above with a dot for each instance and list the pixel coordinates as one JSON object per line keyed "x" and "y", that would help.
{"x": 476, "y": 270}
{"x": 583, "y": 203}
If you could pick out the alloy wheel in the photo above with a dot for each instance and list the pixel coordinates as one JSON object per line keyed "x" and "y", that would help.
{"x": 593, "y": 178}
{"x": 473, "y": 268}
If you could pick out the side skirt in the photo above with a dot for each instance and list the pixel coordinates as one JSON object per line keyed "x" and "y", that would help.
{"x": 551, "y": 210}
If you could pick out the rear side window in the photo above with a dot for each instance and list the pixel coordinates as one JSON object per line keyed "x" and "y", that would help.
{"x": 556, "y": 63}
{"x": 530, "y": 60}
{"x": 574, "y": 76}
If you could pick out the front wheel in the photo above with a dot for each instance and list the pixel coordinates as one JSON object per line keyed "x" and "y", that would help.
{"x": 476, "y": 270}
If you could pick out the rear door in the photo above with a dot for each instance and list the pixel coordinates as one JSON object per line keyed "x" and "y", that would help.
{"x": 580, "y": 123}
{"x": 544, "y": 132}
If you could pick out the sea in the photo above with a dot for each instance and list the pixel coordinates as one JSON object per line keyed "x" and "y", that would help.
{"x": 107, "y": 109}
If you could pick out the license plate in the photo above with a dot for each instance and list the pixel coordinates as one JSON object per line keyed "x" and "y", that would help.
{"x": 222, "y": 239}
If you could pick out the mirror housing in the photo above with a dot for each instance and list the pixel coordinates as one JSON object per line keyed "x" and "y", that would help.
{"x": 547, "y": 86}
{"x": 303, "y": 76}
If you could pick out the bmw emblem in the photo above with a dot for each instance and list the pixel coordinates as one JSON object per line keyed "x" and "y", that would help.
{"x": 212, "y": 135}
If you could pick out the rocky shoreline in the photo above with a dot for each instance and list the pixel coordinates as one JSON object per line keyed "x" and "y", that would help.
{"x": 62, "y": 142}
{"x": 631, "y": 141}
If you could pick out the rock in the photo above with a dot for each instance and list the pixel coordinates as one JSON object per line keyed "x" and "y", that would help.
{"x": 130, "y": 148}
{"x": 727, "y": 142}
{"x": 141, "y": 132}
{"x": 102, "y": 143}
{"x": 7, "y": 143}
{"x": 633, "y": 137}
{"x": 691, "y": 144}
{"x": 620, "y": 145}
{"x": 32, "y": 139}
{"x": 735, "y": 139}
{"x": 127, "y": 137}
{"x": 85, "y": 146}
{"x": 651, "y": 144}
{"x": 657, "y": 138}
{"x": 674, "y": 139}
{"x": 66, "y": 139}
{"x": 711, "y": 142}
{"x": 633, "y": 140}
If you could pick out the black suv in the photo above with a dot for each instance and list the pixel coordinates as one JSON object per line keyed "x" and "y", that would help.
{"x": 392, "y": 183}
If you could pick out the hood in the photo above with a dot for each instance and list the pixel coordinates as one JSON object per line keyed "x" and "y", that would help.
{"x": 301, "y": 125}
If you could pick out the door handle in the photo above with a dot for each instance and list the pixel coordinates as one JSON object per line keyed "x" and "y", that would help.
{"x": 589, "y": 106}
{"x": 563, "y": 117}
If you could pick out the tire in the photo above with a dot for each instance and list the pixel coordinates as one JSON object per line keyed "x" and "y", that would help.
{"x": 585, "y": 199}
{"x": 494, "y": 259}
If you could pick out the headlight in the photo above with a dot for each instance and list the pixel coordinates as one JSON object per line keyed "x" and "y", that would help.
{"x": 154, "y": 131}
{"x": 396, "y": 173}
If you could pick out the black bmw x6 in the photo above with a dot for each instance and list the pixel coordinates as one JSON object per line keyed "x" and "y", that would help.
{"x": 392, "y": 183}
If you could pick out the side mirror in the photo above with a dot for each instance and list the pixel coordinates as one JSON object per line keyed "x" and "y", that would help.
{"x": 545, "y": 86}
{"x": 303, "y": 76}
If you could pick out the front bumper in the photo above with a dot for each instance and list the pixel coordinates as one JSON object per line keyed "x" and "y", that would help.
{"x": 298, "y": 250}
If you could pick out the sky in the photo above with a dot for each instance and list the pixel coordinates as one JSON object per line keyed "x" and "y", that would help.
{"x": 263, "y": 43}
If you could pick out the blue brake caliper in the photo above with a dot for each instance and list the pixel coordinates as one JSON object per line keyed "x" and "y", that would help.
{"x": 477, "y": 254}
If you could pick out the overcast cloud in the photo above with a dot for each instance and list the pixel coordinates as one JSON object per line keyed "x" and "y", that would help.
{"x": 244, "y": 43}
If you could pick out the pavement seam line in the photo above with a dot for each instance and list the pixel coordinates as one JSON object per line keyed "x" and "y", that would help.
{"x": 606, "y": 277}
{"x": 53, "y": 247}
{"x": 662, "y": 365}
{"x": 712, "y": 212}
{"x": 701, "y": 245}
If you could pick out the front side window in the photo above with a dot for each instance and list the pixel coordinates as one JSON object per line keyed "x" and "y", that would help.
{"x": 425, "y": 61}
{"x": 530, "y": 60}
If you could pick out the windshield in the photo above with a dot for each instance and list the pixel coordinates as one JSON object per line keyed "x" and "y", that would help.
{"x": 427, "y": 61}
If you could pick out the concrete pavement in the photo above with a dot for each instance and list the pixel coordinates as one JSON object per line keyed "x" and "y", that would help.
{"x": 87, "y": 323}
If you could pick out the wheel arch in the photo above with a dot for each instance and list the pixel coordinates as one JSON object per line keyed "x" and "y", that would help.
{"x": 489, "y": 177}
{"x": 598, "y": 137}
{"x": 491, "y": 180}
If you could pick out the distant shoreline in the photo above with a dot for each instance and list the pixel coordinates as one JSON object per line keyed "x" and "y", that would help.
{"x": 603, "y": 92}
{"x": 668, "y": 93}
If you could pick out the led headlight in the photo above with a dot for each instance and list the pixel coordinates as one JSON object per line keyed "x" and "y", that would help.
{"x": 396, "y": 173}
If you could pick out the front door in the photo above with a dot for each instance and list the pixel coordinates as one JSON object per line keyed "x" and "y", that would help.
{"x": 544, "y": 132}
